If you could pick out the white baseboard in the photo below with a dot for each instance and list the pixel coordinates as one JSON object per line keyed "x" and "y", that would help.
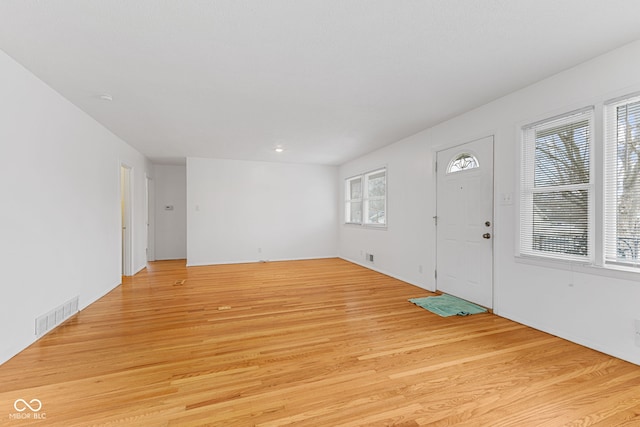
{"x": 632, "y": 358}
{"x": 254, "y": 261}
{"x": 386, "y": 273}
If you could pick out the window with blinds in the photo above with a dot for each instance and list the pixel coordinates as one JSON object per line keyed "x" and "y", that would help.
{"x": 622, "y": 183}
{"x": 556, "y": 208}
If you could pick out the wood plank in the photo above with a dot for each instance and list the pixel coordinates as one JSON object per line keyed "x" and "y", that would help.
{"x": 317, "y": 342}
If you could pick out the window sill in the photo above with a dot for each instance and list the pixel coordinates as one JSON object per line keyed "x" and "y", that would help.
{"x": 366, "y": 226}
{"x": 617, "y": 272}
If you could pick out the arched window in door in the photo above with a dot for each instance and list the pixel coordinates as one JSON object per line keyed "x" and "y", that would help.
{"x": 462, "y": 162}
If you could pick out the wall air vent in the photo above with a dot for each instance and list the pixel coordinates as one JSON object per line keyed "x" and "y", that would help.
{"x": 49, "y": 321}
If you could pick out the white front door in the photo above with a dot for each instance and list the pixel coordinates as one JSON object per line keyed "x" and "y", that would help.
{"x": 465, "y": 221}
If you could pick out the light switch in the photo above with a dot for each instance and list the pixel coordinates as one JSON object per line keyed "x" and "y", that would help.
{"x": 506, "y": 198}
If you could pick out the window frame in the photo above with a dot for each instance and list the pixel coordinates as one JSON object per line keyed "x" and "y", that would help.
{"x": 527, "y": 188}
{"x": 365, "y": 199}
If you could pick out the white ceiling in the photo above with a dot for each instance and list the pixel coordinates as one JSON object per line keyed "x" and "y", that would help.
{"x": 329, "y": 80}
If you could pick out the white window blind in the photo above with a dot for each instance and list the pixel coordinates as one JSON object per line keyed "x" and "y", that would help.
{"x": 556, "y": 207}
{"x": 622, "y": 183}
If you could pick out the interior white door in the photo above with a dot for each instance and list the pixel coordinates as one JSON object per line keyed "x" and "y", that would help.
{"x": 465, "y": 221}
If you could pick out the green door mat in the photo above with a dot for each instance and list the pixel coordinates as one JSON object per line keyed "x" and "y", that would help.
{"x": 447, "y": 305}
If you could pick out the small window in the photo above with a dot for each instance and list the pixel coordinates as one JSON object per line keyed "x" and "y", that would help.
{"x": 464, "y": 161}
{"x": 366, "y": 199}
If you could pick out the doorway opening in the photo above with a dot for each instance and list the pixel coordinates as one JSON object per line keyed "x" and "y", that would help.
{"x": 125, "y": 210}
{"x": 150, "y": 212}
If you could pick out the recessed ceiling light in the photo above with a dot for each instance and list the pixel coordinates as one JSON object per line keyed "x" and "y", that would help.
{"x": 105, "y": 97}
{"x": 279, "y": 149}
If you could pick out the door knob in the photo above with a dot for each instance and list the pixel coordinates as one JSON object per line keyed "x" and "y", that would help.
{"x": 486, "y": 235}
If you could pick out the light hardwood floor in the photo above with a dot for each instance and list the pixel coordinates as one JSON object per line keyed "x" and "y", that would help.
{"x": 314, "y": 343}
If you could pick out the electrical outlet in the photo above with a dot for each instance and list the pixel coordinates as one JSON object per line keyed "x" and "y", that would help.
{"x": 420, "y": 269}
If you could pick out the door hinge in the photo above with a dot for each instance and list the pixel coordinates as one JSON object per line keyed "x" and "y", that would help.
{"x": 435, "y": 219}
{"x": 436, "y": 166}
{"x": 435, "y": 274}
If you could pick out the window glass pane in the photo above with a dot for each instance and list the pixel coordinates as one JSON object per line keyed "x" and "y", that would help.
{"x": 376, "y": 212}
{"x": 354, "y": 212}
{"x": 562, "y": 155}
{"x": 463, "y": 162}
{"x": 355, "y": 189}
{"x": 561, "y": 222}
{"x": 376, "y": 184}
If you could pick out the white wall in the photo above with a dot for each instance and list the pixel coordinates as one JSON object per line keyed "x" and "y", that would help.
{"x": 585, "y": 305}
{"x": 170, "y": 183}
{"x": 246, "y": 211}
{"x": 403, "y": 249}
{"x": 60, "y": 218}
